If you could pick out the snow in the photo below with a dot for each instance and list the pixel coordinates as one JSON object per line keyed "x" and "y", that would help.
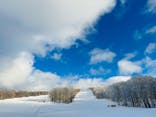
{"x": 84, "y": 96}
{"x": 84, "y": 105}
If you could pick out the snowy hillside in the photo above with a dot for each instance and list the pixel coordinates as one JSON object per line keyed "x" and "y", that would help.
{"x": 84, "y": 95}
{"x": 84, "y": 105}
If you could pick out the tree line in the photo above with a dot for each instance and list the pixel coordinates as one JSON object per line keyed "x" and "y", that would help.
{"x": 139, "y": 91}
{"x": 7, "y": 94}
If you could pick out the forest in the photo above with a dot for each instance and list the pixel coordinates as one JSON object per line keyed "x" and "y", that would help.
{"x": 139, "y": 91}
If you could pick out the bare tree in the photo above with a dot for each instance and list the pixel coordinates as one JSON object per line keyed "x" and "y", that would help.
{"x": 63, "y": 95}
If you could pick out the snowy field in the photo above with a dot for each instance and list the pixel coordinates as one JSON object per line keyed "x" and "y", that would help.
{"x": 84, "y": 105}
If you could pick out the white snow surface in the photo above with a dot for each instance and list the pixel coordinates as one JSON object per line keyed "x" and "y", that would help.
{"x": 84, "y": 105}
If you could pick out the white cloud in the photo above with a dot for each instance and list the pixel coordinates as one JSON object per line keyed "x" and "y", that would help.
{"x": 151, "y": 30}
{"x": 150, "y": 48}
{"x": 130, "y": 55}
{"x": 21, "y": 75}
{"x": 127, "y": 67}
{"x": 46, "y": 80}
{"x": 31, "y": 25}
{"x": 87, "y": 83}
{"x": 151, "y": 6}
{"x": 140, "y": 34}
{"x": 56, "y": 56}
{"x": 99, "y": 71}
{"x": 19, "y": 70}
{"x": 98, "y": 82}
{"x": 99, "y": 55}
{"x": 145, "y": 66}
{"x": 150, "y": 66}
{"x": 116, "y": 79}
{"x": 35, "y": 27}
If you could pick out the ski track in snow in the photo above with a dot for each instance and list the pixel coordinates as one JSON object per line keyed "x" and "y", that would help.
{"x": 84, "y": 105}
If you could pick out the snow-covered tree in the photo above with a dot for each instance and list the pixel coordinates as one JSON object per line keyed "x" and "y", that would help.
{"x": 139, "y": 91}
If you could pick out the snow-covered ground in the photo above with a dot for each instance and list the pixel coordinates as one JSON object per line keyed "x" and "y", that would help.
{"x": 84, "y": 105}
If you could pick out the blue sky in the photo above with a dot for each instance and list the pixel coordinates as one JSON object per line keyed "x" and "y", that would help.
{"x": 121, "y": 31}
{"x": 46, "y": 44}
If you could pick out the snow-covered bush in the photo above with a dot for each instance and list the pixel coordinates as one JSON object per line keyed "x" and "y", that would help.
{"x": 63, "y": 95}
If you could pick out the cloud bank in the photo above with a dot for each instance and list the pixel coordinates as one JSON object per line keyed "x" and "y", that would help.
{"x": 43, "y": 25}
{"x": 36, "y": 27}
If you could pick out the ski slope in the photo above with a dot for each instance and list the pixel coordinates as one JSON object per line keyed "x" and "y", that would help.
{"x": 84, "y": 105}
